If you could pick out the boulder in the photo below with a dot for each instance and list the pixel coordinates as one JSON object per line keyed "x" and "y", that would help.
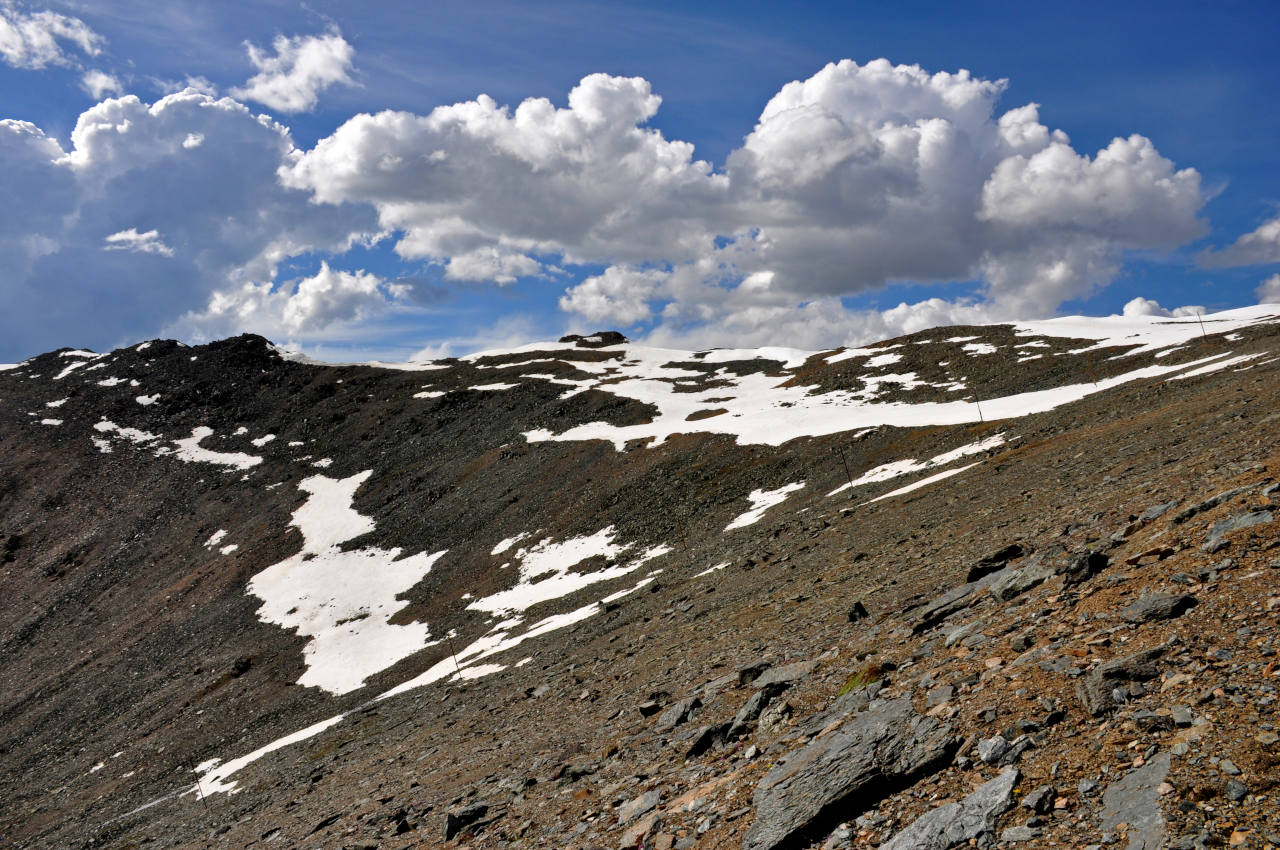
{"x": 459, "y": 819}
{"x": 846, "y": 770}
{"x": 750, "y": 711}
{"x": 1095, "y": 690}
{"x": 677, "y": 713}
{"x": 1083, "y": 566}
{"x": 784, "y": 675}
{"x": 1162, "y": 606}
{"x": 957, "y": 823}
{"x": 1008, "y": 583}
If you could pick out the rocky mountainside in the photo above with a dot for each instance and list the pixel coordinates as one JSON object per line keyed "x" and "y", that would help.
{"x": 1001, "y": 585}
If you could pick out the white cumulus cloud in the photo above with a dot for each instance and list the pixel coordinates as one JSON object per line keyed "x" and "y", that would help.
{"x": 1259, "y": 247}
{"x": 141, "y": 243}
{"x": 35, "y": 40}
{"x": 491, "y": 264}
{"x": 1150, "y": 307}
{"x": 97, "y": 84}
{"x": 860, "y": 176}
{"x": 297, "y": 310}
{"x": 1268, "y": 291}
{"x": 619, "y": 296}
{"x": 218, "y": 205}
{"x": 303, "y": 66}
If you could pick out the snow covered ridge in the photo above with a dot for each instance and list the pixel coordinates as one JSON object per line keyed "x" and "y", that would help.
{"x": 773, "y": 407}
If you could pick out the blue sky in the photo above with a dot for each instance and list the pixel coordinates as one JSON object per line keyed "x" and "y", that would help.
{"x": 331, "y": 176}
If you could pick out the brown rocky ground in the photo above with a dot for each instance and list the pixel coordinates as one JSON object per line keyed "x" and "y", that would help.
{"x": 121, "y": 637}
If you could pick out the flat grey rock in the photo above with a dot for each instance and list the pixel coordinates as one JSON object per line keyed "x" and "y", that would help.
{"x": 1162, "y": 606}
{"x": 784, "y": 675}
{"x": 1010, "y": 582}
{"x": 1134, "y": 800}
{"x": 956, "y": 823}
{"x": 872, "y": 753}
{"x": 677, "y": 713}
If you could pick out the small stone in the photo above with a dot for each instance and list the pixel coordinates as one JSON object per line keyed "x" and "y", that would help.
{"x": 1016, "y": 834}
{"x": 1228, "y": 767}
{"x": 1017, "y": 747}
{"x": 1180, "y": 749}
{"x": 990, "y": 750}
{"x": 1267, "y": 739}
{"x": 1086, "y": 787}
{"x": 641, "y": 805}
{"x": 1236, "y": 790}
{"x": 1040, "y": 800}
{"x": 1182, "y": 716}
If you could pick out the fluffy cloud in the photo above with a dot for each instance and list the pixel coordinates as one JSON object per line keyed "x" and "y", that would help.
{"x": 1268, "y": 291}
{"x": 619, "y": 296}
{"x": 302, "y": 67}
{"x": 1151, "y": 307}
{"x": 491, "y": 264}
{"x": 34, "y": 41}
{"x": 141, "y": 243}
{"x": 184, "y": 191}
{"x": 586, "y": 182}
{"x": 295, "y": 311}
{"x": 860, "y": 176}
{"x": 1260, "y": 247}
{"x": 97, "y": 84}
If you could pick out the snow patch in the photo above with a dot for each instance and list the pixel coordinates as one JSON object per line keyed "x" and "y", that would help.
{"x": 1214, "y": 367}
{"x": 148, "y": 400}
{"x": 190, "y": 451}
{"x": 342, "y": 600}
{"x": 263, "y": 440}
{"x": 761, "y": 501}
{"x": 131, "y": 434}
{"x": 923, "y": 482}
{"x": 898, "y": 468}
{"x": 213, "y": 774}
{"x": 504, "y": 545}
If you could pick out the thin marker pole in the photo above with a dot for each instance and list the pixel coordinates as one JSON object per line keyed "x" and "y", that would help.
{"x": 847, "y": 473}
{"x": 200, "y": 793}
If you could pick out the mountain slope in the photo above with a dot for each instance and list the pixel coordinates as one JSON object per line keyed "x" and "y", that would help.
{"x": 461, "y": 576}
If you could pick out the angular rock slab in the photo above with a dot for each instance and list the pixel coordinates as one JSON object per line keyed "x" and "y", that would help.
{"x": 870, "y": 756}
{"x": 1135, "y": 800}
{"x": 955, "y": 823}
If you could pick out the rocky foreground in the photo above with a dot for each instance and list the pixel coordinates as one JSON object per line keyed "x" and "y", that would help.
{"x": 1069, "y": 644}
